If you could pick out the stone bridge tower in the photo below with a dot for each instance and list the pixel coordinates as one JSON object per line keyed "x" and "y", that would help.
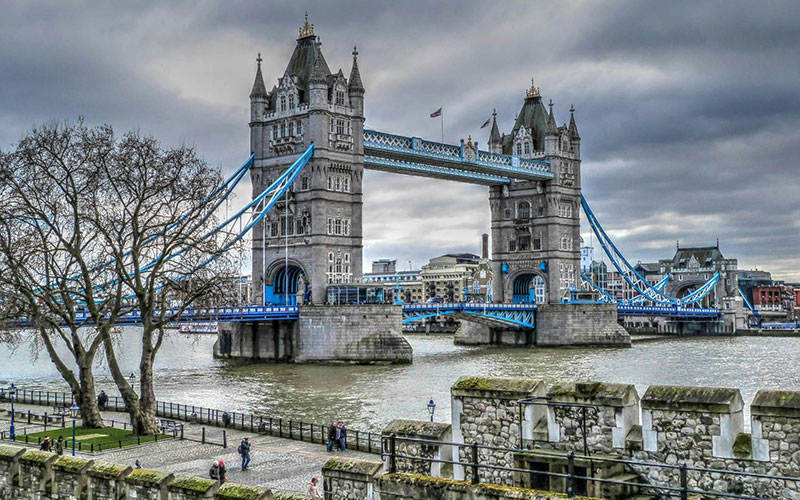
{"x": 536, "y": 224}
{"x": 308, "y": 104}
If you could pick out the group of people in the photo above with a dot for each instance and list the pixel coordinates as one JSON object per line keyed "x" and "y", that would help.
{"x": 58, "y": 447}
{"x": 218, "y": 471}
{"x": 337, "y": 435}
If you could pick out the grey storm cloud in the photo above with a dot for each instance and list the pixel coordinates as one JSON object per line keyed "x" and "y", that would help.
{"x": 689, "y": 111}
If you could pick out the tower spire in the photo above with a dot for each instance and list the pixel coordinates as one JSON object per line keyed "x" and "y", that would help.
{"x": 573, "y": 129}
{"x": 355, "y": 84}
{"x": 259, "y": 90}
{"x": 494, "y": 135}
{"x": 552, "y": 128}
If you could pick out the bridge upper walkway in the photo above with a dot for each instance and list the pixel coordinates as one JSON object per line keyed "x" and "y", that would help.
{"x": 464, "y": 163}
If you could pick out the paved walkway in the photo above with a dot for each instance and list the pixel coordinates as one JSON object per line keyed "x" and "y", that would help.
{"x": 277, "y": 463}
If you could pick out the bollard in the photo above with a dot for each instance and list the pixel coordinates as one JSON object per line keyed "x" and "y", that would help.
{"x": 45, "y": 414}
{"x": 224, "y": 438}
{"x": 203, "y": 436}
{"x": 138, "y": 440}
{"x": 369, "y": 442}
{"x": 280, "y": 427}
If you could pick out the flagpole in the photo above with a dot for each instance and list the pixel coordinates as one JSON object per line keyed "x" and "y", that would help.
{"x": 441, "y": 115}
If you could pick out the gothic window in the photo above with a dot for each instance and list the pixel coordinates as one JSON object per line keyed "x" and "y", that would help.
{"x": 524, "y": 210}
{"x": 304, "y": 182}
{"x": 274, "y": 229}
{"x": 330, "y": 183}
{"x": 346, "y": 228}
{"x": 338, "y": 227}
{"x": 512, "y": 245}
{"x": 340, "y": 127}
{"x": 524, "y": 243}
{"x": 274, "y": 132}
{"x": 507, "y": 213}
{"x": 476, "y": 287}
{"x": 519, "y": 149}
{"x": 537, "y": 243}
{"x": 338, "y": 184}
{"x": 299, "y": 128}
{"x": 340, "y": 98}
{"x": 299, "y": 225}
{"x": 527, "y": 148}
{"x": 283, "y": 103}
{"x": 291, "y": 129}
{"x": 330, "y": 225}
{"x": 283, "y": 227}
{"x": 346, "y": 184}
{"x": 283, "y": 130}
{"x": 291, "y": 101}
{"x": 291, "y": 226}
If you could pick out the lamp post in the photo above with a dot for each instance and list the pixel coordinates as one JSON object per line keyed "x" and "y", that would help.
{"x": 74, "y": 412}
{"x": 431, "y": 408}
{"x": 132, "y": 378}
{"x": 12, "y": 391}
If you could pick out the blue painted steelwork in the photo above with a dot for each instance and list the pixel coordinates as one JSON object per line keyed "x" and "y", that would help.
{"x": 424, "y": 154}
{"x": 633, "y": 278}
{"x": 512, "y": 314}
{"x": 669, "y": 311}
{"x": 435, "y": 171}
{"x": 747, "y": 302}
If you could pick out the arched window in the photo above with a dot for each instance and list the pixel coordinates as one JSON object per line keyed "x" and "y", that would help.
{"x": 340, "y": 97}
{"x": 283, "y": 103}
{"x": 476, "y": 287}
{"x": 524, "y": 210}
{"x": 291, "y": 101}
{"x": 283, "y": 130}
{"x": 519, "y": 149}
{"x": 299, "y": 128}
{"x": 527, "y": 148}
{"x": 291, "y": 128}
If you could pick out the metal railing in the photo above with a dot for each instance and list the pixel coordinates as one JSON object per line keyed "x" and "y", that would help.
{"x": 472, "y": 467}
{"x": 288, "y": 428}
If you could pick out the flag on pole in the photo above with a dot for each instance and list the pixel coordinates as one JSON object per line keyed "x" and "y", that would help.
{"x": 436, "y": 113}
{"x": 486, "y": 123}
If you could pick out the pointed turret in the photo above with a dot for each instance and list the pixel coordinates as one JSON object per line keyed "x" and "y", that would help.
{"x": 552, "y": 128}
{"x": 355, "y": 84}
{"x": 259, "y": 89}
{"x": 495, "y": 141}
{"x": 573, "y": 129}
{"x": 551, "y": 133}
{"x": 320, "y": 73}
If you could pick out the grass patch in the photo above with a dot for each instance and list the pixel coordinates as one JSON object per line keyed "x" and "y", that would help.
{"x": 90, "y": 439}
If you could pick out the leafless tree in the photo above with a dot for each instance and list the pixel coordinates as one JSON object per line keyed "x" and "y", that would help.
{"x": 144, "y": 219}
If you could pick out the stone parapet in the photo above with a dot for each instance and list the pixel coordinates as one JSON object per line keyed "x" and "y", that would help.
{"x": 69, "y": 478}
{"x": 192, "y": 488}
{"x": 421, "y": 429}
{"x": 349, "y": 478}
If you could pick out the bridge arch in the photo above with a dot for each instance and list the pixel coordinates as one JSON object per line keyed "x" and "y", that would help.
{"x": 279, "y": 278}
{"x": 528, "y": 287}
{"x": 685, "y": 288}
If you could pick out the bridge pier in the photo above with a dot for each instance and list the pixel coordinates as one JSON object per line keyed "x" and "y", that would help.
{"x": 365, "y": 334}
{"x": 471, "y": 333}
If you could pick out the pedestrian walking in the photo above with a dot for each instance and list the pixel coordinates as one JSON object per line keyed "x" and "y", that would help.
{"x": 244, "y": 451}
{"x": 313, "y": 488}
{"x": 45, "y": 445}
{"x": 213, "y": 472}
{"x": 332, "y": 436}
{"x": 60, "y": 445}
{"x": 226, "y": 419}
{"x": 223, "y": 472}
{"x": 102, "y": 400}
{"x": 342, "y": 436}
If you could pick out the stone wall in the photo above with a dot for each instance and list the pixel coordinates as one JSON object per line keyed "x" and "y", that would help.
{"x": 579, "y": 324}
{"x": 420, "y": 429}
{"x": 27, "y": 474}
{"x": 370, "y": 333}
{"x": 349, "y": 479}
{"x": 696, "y": 426}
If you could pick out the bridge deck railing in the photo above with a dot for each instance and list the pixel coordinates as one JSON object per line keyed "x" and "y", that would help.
{"x": 273, "y": 425}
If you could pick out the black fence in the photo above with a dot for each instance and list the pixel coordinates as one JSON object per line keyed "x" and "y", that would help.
{"x": 365, "y": 441}
{"x": 575, "y": 481}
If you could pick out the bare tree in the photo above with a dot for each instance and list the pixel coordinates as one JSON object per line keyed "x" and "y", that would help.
{"x": 156, "y": 248}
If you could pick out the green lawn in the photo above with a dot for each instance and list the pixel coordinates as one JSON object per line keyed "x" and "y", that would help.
{"x": 90, "y": 439}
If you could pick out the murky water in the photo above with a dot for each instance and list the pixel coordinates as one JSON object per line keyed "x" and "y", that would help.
{"x": 369, "y": 396}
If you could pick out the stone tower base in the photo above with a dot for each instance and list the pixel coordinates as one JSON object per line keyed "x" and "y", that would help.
{"x": 579, "y": 324}
{"x": 363, "y": 334}
{"x": 556, "y": 325}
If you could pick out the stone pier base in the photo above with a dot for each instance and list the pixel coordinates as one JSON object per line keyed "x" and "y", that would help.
{"x": 470, "y": 333}
{"x": 579, "y": 324}
{"x": 324, "y": 334}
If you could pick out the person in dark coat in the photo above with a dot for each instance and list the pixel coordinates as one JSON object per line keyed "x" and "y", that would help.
{"x": 342, "y": 436}
{"x": 213, "y": 473}
{"x": 244, "y": 451}
{"x": 60, "y": 445}
{"x": 332, "y": 436}
{"x": 223, "y": 472}
{"x": 226, "y": 419}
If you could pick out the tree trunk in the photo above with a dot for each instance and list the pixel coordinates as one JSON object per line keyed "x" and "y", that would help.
{"x": 87, "y": 398}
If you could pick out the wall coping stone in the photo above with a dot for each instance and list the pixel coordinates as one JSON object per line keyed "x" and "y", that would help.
{"x": 11, "y": 453}
{"x": 199, "y": 485}
{"x": 230, "y": 491}
{"x": 454, "y": 485}
{"x": 502, "y": 388}
{"x": 147, "y": 477}
{"x": 599, "y": 393}
{"x": 105, "y": 470}
{"x": 75, "y": 465}
{"x": 702, "y": 399}
{"x": 776, "y": 404}
{"x": 38, "y": 457}
{"x": 352, "y": 466}
{"x": 420, "y": 428}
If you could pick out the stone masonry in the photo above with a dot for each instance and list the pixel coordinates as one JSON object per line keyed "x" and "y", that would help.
{"x": 420, "y": 429}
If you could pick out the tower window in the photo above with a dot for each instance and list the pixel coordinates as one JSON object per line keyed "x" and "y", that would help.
{"x": 283, "y": 103}
{"x": 283, "y": 130}
{"x": 304, "y": 182}
{"x": 519, "y": 149}
{"x": 507, "y": 213}
{"x": 339, "y": 98}
{"x": 299, "y": 128}
{"x": 291, "y": 129}
{"x": 291, "y": 101}
{"x": 537, "y": 243}
{"x": 340, "y": 127}
{"x": 274, "y": 132}
{"x": 274, "y": 228}
{"x": 524, "y": 210}
{"x": 527, "y": 148}
{"x": 512, "y": 245}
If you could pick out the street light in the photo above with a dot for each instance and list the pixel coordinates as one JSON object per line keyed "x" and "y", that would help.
{"x": 74, "y": 412}
{"x": 431, "y": 408}
{"x": 133, "y": 379}
{"x": 12, "y": 391}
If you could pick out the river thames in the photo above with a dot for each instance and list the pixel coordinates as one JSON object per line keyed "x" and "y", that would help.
{"x": 369, "y": 396}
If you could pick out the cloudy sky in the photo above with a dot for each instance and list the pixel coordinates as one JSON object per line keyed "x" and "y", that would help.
{"x": 689, "y": 111}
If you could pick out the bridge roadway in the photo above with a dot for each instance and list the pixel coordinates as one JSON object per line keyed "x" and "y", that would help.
{"x": 512, "y": 315}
